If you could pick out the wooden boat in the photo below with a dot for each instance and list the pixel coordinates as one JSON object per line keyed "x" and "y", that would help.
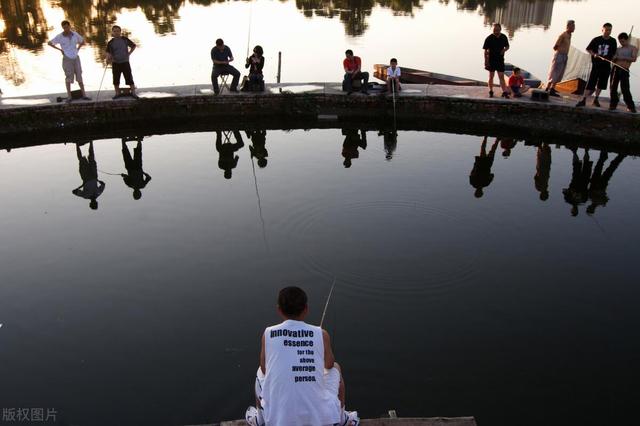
{"x": 529, "y": 79}
{"x": 574, "y": 86}
{"x": 415, "y": 76}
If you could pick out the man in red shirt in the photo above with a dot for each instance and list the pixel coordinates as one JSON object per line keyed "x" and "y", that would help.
{"x": 352, "y": 71}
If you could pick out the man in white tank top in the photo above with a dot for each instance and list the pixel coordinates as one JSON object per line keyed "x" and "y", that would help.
{"x": 298, "y": 382}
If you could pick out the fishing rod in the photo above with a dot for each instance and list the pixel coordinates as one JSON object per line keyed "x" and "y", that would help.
{"x": 326, "y": 305}
{"x": 106, "y": 65}
{"x": 249, "y": 31}
{"x": 615, "y": 65}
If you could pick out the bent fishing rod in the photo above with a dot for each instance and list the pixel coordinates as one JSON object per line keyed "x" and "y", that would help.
{"x": 326, "y": 305}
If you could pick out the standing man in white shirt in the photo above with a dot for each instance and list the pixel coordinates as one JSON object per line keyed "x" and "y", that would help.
{"x": 393, "y": 76}
{"x": 70, "y": 43}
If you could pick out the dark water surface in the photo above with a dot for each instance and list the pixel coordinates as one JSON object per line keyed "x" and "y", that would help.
{"x": 149, "y": 311}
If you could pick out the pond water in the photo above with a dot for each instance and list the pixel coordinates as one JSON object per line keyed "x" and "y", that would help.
{"x": 175, "y": 36}
{"x": 517, "y": 307}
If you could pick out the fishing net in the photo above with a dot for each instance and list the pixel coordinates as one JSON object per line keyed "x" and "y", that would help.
{"x": 578, "y": 65}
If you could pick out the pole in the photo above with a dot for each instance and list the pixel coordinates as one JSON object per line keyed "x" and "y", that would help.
{"x": 393, "y": 93}
{"x": 279, "y": 67}
{"x": 326, "y": 305}
{"x": 101, "y": 81}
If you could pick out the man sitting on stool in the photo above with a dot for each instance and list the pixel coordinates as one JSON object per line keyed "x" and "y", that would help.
{"x": 221, "y": 56}
{"x": 352, "y": 72}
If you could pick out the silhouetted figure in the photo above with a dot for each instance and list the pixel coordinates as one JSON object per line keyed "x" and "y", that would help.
{"x": 352, "y": 141}
{"x": 390, "y": 139}
{"x": 481, "y": 175}
{"x": 135, "y": 178}
{"x": 543, "y": 170}
{"x": 91, "y": 187}
{"x": 226, "y": 160}
{"x": 600, "y": 181}
{"x": 257, "y": 148}
{"x": 507, "y": 145}
{"x": 577, "y": 192}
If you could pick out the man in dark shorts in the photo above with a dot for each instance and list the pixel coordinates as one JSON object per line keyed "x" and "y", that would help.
{"x": 118, "y": 50}
{"x": 481, "y": 176}
{"x": 625, "y": 55}
{"x": 495, "y": 46}
{"x": 601, "y": 49}
{"x": 221, "y": 56}
{"x": 353, "y": 71}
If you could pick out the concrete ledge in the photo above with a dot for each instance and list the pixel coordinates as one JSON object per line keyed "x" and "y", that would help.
{"x": 457, "y": 107}
{"x": 428, "y": 421}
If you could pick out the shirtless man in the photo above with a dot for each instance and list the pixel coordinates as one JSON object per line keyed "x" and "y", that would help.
{"x": 625, "y": 55}
{"x": 560, "y": 58}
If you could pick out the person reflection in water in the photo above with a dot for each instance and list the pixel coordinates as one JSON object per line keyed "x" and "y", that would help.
{"x": 481, "y": 175}
{"x": 390, "y": 139}
{"x": 352, "y": 141}
{"x": 577, "y": 192}
{"x": 91, "y": 187}
{"x": 135, "y": 178}
{"x": 257, "y": 148}
{"x": 507, "y": 145}
{"x": 543, "y": 170}
{"x": 227, "y": 161}
{"x": 600, "y": 181}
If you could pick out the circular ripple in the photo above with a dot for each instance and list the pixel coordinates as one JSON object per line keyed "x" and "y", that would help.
{"x": 385, "y": 246}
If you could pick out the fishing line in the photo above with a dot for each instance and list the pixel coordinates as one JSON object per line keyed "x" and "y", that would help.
{"x": 393, "y": 93}
{"x": 111, "y": 174}
{"x": 326, "y": 305}
{"x": 255, "y": 182}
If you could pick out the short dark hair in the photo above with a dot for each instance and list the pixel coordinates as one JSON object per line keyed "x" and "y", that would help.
{"x": 116, "y": 27}
{"x": 219, "y": 42}
{"x": 65, "y": 22}
{"x": 348, "y": 52}
{"x": 623, "y": 36}
{"x": 516, "y": 69}
{"x": 292, "y": 301}
{"x": 258, "y": 50}
{"x": 607, "y": 25}
{"x": 394, "y": 60}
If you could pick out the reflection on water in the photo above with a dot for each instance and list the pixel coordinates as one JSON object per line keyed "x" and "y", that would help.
{"x": 227, "y": 158}
{"x": 91, "y": 187}
{"x": 590, "y": 186}
{"x": 139, "y": 301}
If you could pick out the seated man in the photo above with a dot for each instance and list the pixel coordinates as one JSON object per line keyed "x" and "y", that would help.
{"x": 353, "y": 72}
{"x": 221, "y": 56}
{"x": 516, "y": 83}
{"x": 298, "y": 381}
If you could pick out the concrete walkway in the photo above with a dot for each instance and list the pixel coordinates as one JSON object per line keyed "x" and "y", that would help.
{"x": 430, "y": 421}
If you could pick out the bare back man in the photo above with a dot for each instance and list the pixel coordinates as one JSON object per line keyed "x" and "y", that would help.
{"x": 560, "y": 58}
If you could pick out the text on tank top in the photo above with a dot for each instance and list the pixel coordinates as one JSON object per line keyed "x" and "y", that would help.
{"x": 294, "y": 382}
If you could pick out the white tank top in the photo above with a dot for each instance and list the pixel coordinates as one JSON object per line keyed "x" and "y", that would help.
{"x": 294, "y": 393}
